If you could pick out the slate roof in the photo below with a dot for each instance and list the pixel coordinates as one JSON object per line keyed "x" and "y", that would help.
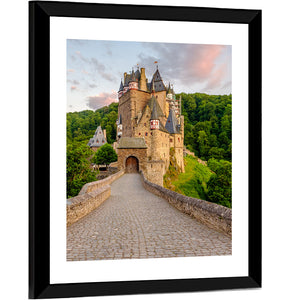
{"x": 137, "y": 74}
{"x": 132, "y": 143}
{"x": 98, "y": 139}
{"x": 154, "y": 113}
{"x": 158, "y": 82}
{"x": 158, "y": 109}
{"x": 171, "y": 124}
{"x": 121, "y": 86}
{"x": 132, "y": 77}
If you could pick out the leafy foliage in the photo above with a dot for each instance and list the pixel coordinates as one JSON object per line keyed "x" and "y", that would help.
{"x": 82, "y": 125}
{"x": 219, "y": 184}
{"x": 78, "y": 167}
{"x": 105, "y": 155}
{"x": 208, "y": 122}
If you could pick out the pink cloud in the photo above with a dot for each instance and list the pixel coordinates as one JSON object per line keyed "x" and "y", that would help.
{"x": 201, "y": 60}
{"x": 217, "y": 77}
{"x": 102, "y": 99}
{"x": 73, "y": 88}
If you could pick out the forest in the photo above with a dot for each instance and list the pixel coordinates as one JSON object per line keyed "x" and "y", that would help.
{"x": 207, "y": 133}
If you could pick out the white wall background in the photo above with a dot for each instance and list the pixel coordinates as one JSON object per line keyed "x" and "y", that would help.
{"x": 281, "y": 126}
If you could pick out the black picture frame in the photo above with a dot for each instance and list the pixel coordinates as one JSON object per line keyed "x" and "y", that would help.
{"x": 39, "y": 161}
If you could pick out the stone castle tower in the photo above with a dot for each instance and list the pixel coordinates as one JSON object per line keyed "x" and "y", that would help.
{"x": 149, "y": 125}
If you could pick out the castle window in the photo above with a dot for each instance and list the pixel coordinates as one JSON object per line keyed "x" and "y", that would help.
{"x": 144, "y": 124}
{"x": 171, "y": 140}
{"x": 146, "y": 133}
{"x": 178, "y": 139}
{"x": 151, "y": 133}
{"x": 139, "y": 133}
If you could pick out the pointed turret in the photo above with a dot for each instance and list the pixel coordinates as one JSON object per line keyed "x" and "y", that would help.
{"x": 158, "y": 82}
{"x": 121, "y": 86}
{"x": 172, "y": 124}
{"x": 154, "y": 113}
{"x": 154, "y": 120}
{"x": 120, "y": 92}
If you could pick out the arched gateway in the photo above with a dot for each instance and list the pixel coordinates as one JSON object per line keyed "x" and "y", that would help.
{"x": 132, "y": 165}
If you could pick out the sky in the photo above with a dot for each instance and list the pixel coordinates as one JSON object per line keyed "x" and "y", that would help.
{"x": 95, "y": 69}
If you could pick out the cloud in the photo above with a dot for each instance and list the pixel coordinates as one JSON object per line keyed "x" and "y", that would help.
{"x": 92, "y": 85}
{"x": 216, "y": 79}
{"x": 74, "y": 82}
{"x": 189, "y": 64}
{"x": 73, "y": 88}
{"x": 95, "y": 65}
{"x": 71, "y": 70}
{"x": 102, "y": 99}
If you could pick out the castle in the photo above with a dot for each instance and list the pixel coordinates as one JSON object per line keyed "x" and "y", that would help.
{"x": 149, "y": 125}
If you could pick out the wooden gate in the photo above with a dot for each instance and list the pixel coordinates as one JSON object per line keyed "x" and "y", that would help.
{"x": 132, "y": 165}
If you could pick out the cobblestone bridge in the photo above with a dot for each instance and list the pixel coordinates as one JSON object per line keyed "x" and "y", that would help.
{"x": 134, "y": 223}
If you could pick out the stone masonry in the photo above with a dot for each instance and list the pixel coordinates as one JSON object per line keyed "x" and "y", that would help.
{"x": 134, "y": 223}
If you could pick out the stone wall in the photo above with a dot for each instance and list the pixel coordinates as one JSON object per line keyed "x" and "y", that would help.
{"x": 213, "y": 215}
{"x": 92, "y": 186}
{"x": 140, "y": 154}
{"x": 90, "y": 197}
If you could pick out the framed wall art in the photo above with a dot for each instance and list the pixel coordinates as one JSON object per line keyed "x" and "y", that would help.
{"x": 145, "y": 149}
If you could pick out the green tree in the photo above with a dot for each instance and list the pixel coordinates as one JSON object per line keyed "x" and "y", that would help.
{"x": 105, "y": 155}
{"x": 78, "y": 167}
{"x": 219, "y": 185}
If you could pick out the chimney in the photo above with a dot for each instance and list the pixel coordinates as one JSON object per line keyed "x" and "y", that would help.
{"x": 143, "y": 84}
{"x": 125, "y": 74}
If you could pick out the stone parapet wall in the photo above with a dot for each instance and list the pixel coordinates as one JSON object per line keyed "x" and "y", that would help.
{"x": 90, "y": 197}
{"x": 213, "y": 215}
{"x": 91, "y": 186}
{"x": 81, "y": 205}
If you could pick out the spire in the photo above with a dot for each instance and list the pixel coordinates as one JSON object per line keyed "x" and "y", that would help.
{"x": 154, "y": 113}
{"x": 158, "y": 82}
{"x": 121, "y": 86}
{"x": 152, "y": 87}
{"x": 171, "y": 124}
{"x": 169, "y": 89}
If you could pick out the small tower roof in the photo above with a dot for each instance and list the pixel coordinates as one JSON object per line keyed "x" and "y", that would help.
{"x": 153, "y": 102}
{"x": 121, "y": 86}
{"x": 158, "y": 82}
{"x": 98, "y": 139}
{"x": 137, "y": 74}
{"x": 171, "y": 124}
{"x": 154, "y": 113}
{"x": 132, "y": 76}
{"x": 170, "y": 89}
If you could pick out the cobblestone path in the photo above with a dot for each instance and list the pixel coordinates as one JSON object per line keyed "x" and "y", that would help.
{"x": 134, "y": 223}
